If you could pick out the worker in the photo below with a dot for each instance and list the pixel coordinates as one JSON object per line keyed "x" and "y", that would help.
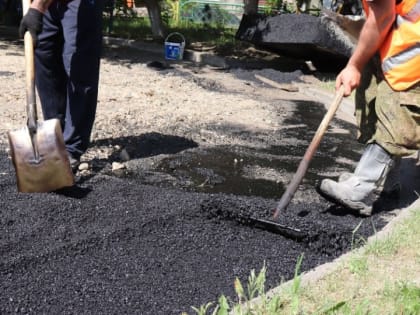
{"x": 67, "y": 36}
{"x": 385, "y": 71}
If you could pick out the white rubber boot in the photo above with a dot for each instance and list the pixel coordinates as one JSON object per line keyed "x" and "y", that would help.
{"x": 390, "y": 187}
{"x": 357, "y": 191}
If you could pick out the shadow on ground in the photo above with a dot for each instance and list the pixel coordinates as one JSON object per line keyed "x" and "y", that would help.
{"x": 148, "y": 144}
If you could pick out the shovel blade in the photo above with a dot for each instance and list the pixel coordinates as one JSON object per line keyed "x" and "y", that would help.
{"x": 51, "y": 169}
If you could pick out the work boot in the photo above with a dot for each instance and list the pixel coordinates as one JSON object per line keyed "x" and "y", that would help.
{"x": 390, "y": 187}
{"x": 357, "y": 191}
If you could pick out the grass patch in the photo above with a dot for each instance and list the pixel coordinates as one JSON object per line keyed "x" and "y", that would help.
{"x": 406, "y": 296}
{"x": 138, "y": 28}
{"x": 129, "y": 27}
{"x": 377, "y": 279}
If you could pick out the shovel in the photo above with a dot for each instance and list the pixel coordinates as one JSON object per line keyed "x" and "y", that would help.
{"x": 37, "y": 150}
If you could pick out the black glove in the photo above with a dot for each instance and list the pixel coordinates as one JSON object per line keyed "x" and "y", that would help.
{"x": 32, "y": 22}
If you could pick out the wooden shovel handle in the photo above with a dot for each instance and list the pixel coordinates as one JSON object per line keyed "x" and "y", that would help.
{"x": 303, "y": 166}
{"x": 30, "y": 75}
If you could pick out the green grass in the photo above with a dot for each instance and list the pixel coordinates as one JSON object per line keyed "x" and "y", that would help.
{"x": 406, "y": 296}
{"x": 129, "y": 27}
{"x": 138, "y": 28}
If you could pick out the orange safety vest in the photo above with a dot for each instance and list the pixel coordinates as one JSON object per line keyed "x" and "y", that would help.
{"x": 400, "y": 52}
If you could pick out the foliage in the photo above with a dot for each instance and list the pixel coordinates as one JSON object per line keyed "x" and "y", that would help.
{"x": 132, "y": 28}
{"x": 406, "y": 296}
{"x": 278, "y": 6}
{"x": 138, "y": 28}
{"x": 214, "y": 15}
{"x": 296, "y": 287}
{"x": 168, "y": 11}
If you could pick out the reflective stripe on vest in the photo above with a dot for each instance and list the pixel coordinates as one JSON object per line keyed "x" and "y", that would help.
{"x": 405, "y": 56}
{"x": 400, "y": 52}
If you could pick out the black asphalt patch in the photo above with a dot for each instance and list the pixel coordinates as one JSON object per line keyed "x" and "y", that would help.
{"x": 113, "y": 246}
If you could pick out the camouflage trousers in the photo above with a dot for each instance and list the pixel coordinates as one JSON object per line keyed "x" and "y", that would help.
{"x": 385, "y": 116}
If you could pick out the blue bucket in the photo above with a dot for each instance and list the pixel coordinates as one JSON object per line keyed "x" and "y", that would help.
{"x": 174, "y": 50}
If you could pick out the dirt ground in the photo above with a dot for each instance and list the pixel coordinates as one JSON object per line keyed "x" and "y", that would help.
{"x": 178, "y": 153}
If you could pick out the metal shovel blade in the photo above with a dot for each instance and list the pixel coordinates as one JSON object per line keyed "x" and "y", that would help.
{"x": 45, "y": 169}
{"x": 37, "y": 150}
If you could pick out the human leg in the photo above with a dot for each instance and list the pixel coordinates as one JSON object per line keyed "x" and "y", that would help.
{"x": 50, "y": 77}
{"x": 365, "y": 101}
{"x": 398, "y": 126}
{"x": 396, "y": 134}
{"x": 82, "y": 26}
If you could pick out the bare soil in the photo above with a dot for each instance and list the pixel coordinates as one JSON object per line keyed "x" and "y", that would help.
{"x": 181, "y": 156}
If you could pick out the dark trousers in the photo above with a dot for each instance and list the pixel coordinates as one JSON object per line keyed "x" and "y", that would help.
{"x": 67, "y": 61}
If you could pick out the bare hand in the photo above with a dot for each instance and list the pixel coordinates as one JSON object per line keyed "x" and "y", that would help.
{"x": 349, "y": 78}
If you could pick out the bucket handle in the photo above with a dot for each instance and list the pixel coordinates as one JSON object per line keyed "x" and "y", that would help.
{"x": 176, "y": 33}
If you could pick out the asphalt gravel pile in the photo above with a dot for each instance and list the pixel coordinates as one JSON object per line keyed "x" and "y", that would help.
{"x": 297, "y": 35}
{"x": 115, "y": 245}
{"x": 314, "y": 227}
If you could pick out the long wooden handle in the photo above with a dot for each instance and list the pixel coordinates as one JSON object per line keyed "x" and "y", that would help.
{"x": 303, "y": 166}
{"x": 30, "y": 75}
{"x": 25, "y": 6}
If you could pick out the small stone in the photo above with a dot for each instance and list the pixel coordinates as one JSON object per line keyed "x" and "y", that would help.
{"x": 83, "y": 166}
{"x": 85, "y": 173}
{"x": 117, "y": 166}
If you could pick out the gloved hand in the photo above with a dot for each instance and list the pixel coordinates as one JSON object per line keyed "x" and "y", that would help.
{"x": 32, "y": 22}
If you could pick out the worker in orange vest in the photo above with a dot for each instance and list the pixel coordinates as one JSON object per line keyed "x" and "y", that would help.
{"x": 385, "y": 71}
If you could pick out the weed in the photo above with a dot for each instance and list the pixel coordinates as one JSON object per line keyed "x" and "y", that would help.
{"x": 331, "y": 309}
{"x": 358, "y": 265}
{"x": 245, "y": 304}
{"x": 406, "y": 296}
{"x": 296, "y": 286}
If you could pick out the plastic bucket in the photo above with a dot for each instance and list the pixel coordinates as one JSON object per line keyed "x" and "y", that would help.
{"x": 174, "y": 50}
